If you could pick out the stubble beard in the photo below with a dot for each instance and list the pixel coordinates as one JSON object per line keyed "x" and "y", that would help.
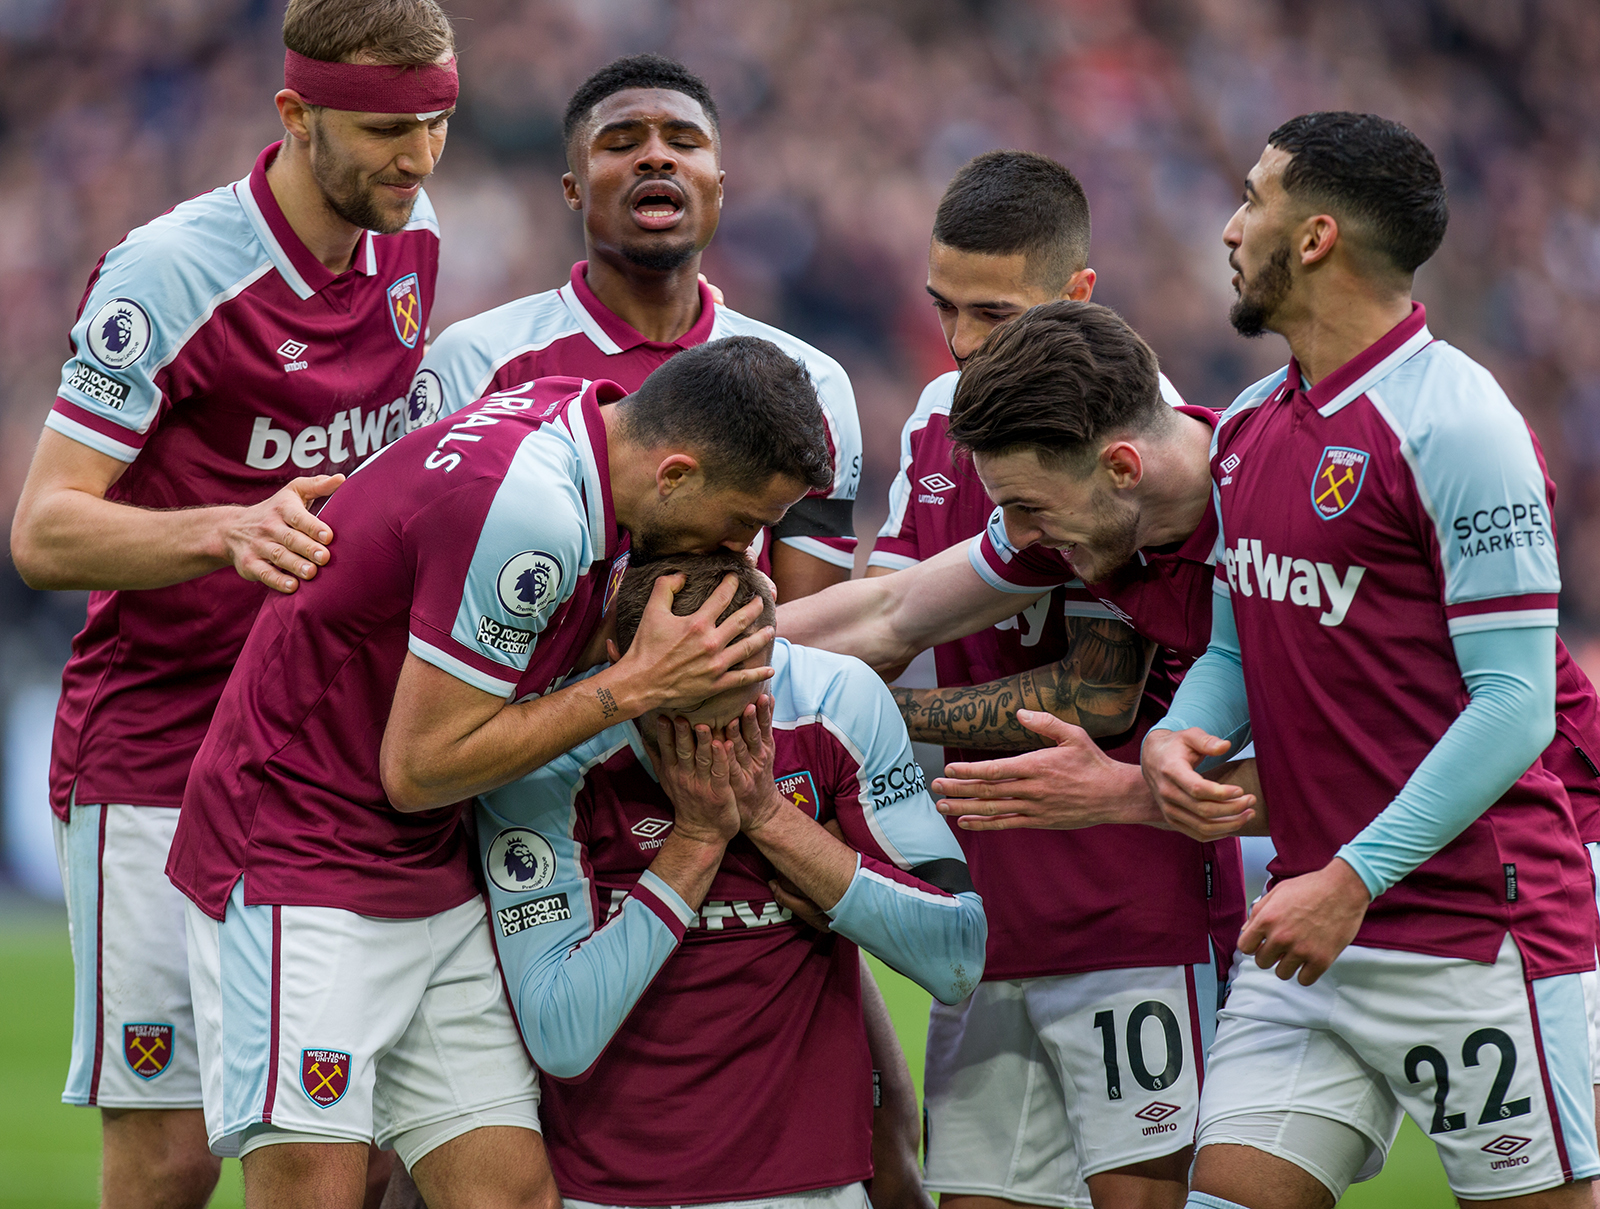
{"x": 1260, "y": 299}
{"x": 660, "y": 257}
{"x": 1115, "y": 542}
{"x": 349, "y": 196}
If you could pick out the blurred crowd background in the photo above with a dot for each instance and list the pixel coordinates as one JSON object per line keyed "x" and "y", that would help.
{"x": 843, "y": 121}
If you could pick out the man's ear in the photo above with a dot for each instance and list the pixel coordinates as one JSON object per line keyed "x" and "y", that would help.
{"x": 295, "y": 114}
{"x": 675, "y": 470}
{"x": 572, "y": 192}
{"x": 1317, "y": 237}
{"x": 1080, "y": 286}
{"x": 1122, "y": 462}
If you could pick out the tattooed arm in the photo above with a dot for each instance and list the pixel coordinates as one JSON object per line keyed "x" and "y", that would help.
{"x": 1097, "y": 686}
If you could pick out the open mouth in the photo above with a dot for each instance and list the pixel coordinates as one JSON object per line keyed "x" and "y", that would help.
{"x": 657, "y": 205}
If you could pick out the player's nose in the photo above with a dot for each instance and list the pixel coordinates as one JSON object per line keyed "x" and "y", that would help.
{"x": 969, "y": 336}
{"x": 655, "y": 156}
{"x": 1233, "y": 233}
{"x": 417, "y": 154}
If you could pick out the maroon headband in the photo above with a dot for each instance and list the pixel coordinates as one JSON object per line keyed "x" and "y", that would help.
{"x": 422, "y": 91}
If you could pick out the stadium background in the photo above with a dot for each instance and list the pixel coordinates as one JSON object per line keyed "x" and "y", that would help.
{"x": 842, "y": 122}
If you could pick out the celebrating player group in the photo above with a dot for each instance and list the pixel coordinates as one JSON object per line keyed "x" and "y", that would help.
{"x": 478, "y": 755}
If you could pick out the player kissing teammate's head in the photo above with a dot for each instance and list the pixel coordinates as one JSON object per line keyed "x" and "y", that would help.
{"x": 1352, "y": 192}
{"x": 734, "y": 435}
{"x": 702, "y": 575}
{"x": 368, "y": 87}
{"x": 1059, "y": 409}
{"x": 1011, "y": 232}
{"x": 644, "y": 154}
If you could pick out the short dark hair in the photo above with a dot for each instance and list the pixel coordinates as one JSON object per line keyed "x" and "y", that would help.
{"x": 746, "y": 408}
{"x": 407, "y": 33}
{"x": 1005, "y": 202}
{"x": 702, "y": 573}
{"x": 1371, "y": 170}
{"x": 1058, "y": 379}
{"x": 634, "y": 71}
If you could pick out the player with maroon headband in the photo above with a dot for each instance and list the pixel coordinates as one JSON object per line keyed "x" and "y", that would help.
{"x": 345, "y": 985}
{"x": 644, "y": 149}
{"x": 1071, "y": 935}
{"x": 1385, "y": 625}
{"x": 261, "y": 331}
{"x": 699, "y": 1042}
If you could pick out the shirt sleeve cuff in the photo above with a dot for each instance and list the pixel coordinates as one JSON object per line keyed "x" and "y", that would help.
{"x": 666, "y": 902}
{"x": 1369, "y": 876}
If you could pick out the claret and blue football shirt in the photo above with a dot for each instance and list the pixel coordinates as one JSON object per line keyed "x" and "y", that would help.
{"x": 219, "y": 358}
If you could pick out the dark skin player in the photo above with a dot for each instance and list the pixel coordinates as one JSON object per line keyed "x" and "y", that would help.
{"x": 647, "y": 178}
{"x": 649, "y": 187}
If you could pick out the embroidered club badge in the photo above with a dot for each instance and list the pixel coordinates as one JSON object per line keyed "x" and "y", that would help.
{"x": 1338, "y": 480}
{"x": 405, "y": 308}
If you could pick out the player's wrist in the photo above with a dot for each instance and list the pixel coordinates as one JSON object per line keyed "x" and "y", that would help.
{"x": 216, "y": 535}
{"x": 764, "y": 813}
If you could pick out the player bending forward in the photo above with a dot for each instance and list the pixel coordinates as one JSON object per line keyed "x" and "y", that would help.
{"x": 1398, "y": 667}
{"x": 699, "y": 1041}
{"x": 344, "y": 978}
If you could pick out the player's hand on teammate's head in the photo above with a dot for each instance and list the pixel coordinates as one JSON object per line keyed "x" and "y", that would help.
{"x": 1199, "y": 808}
{"x": 692, "y": 765}
{"x": 279, "y": 542}
{"x": 683, "y": 662}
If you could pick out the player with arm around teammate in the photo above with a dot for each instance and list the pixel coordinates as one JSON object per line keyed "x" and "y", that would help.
{"x": 1072, "y": 937}
{"x": 339, "y": 952}
{"x": 698, "y": 1041}
{"x": 644, "y": 152}
{"x": 231, "y": 360}
{"x": 1430, "y": 920}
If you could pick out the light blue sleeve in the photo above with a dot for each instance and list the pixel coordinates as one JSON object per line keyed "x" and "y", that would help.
{"x": 1479, "y": 478}
{"x": 1212, "y": 694}
{"x": 1510, "y": 720}
{"x": 573, "y": 979}
{"x": 455, "y": 372}
{"x": 911, "y": 902}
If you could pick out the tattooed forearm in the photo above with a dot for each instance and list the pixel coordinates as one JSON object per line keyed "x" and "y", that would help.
{"x": 1097, "y": 686}
{"x": 608, "y": 704}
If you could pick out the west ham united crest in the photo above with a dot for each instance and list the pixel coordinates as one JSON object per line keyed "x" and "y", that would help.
{"x": 147, "y": 1047}
{"x": 1338, "y": 480}
{"x": 799, "y": 788}
{"x": 405, "y": 308}
{"x": 324, "y": 1074}
{"x": 619, "y": 568}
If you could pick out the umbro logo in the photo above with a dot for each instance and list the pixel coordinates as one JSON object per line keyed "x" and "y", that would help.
{"x": 1228, "y": 465}
{"x": 1506, "y": 1143}
{"x": 290, "y": 350}
{"x": 651, "y": 832}
{"x": 1156, "y": 1111}
{"x": 934, "y": 485}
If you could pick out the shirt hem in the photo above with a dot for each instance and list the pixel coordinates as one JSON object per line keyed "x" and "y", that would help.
{"x": 665, "y": 1198}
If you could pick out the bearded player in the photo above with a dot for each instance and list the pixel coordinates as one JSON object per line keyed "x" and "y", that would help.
{"x": 1429, "y": 921}
{"x": 345, "y": 986}
{"x": 261, "y": 331}
{"x": 1022, "y": 1058}
{"x": 644, "y": 150}
{"x": 699, "y": 1042}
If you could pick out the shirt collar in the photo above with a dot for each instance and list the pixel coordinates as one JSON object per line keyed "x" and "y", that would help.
{"x": 583, "y": 420}
{"x": 304, "y": 273}
{"x": 1368, "y": 367}
{"x": 612, "y": 335}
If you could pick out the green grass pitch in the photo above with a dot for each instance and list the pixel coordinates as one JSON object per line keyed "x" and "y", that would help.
{"x": 49, "y": 1152}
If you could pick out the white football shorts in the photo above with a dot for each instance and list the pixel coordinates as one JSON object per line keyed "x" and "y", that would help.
{"x": 846, "y": 1196}
{"x": 1594, "y": 1000}
{"x": 340, "y": 1027}
{"x": 133, "y": 1043}
{"x": 1495, "y": 1069}
{"x": 1035, "y": 1084}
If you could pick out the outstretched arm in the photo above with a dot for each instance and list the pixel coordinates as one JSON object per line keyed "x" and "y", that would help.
{"x": 1096, "y": 686}
{"x": 888, "y": 620}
